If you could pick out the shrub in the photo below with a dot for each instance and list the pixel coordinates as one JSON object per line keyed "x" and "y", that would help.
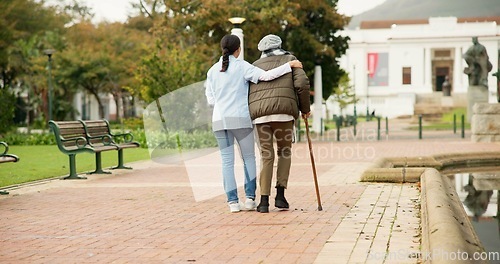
{"x": 133, "y": 123}
{"x": 29, "y": 139}
{"x": 168, "y": 140}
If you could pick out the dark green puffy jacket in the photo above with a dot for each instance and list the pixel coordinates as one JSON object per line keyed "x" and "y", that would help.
{"x": 285, "y": 95}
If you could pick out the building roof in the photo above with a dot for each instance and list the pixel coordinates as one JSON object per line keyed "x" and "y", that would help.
{"x": 380, "y": 24}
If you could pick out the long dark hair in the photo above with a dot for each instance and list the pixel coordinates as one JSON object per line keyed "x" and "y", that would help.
{"x": 229, "y": 44}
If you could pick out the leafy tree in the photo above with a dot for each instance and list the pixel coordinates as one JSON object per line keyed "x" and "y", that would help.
{"x": 149, "y": 8}
{"x": 22, "y": 19}
{"x": 315, "y": 40}
{"x": 194, "y": 28}
{"x": 102, "y": 59}
{"x": 7, "y": 109}
{"x": 344, "y": 95}
{"x": 125, "y": 47}
{"x": 178, "y": 57}
{"x": 307, "y": 28}
{"x": 23, "y": 24}
{"x": 26, "y": 57}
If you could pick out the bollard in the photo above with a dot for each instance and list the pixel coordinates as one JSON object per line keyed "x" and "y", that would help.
{"x": 463, "y": 126}
{"x": 338, "y": 128}
{"x": 454, "y": 123}
{"x": 378, "y": 127}
{"x": 386, "y": 125}
{"x": 355, "y": 122}
{"x": 321, "y": 127}
{"x": 419, "y": 126}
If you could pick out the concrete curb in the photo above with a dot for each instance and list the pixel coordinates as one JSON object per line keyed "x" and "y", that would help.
{"x": 447, "y": 233}
{"x": 405, "y": 169}
{"x": 395, "y": 175}
{"x": 468, "y": 160}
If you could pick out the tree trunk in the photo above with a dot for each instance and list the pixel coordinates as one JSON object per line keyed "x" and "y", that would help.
{"x": 117, "y": 98}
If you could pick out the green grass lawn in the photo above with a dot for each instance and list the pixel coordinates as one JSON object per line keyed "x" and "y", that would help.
{"x": 43, "y": 162}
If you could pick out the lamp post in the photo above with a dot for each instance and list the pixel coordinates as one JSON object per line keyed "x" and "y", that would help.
{"x": 237, "y": 31}
{"x": 318, "y": 98}
{"x": 49, "y": 53}
{"x": 367, "y": 97}
{"x": 354, "y": 88}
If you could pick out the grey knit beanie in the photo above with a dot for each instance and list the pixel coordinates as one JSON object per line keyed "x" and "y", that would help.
{"x": 269, "y": 42}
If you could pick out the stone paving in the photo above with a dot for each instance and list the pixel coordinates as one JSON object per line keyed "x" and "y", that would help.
{"x": 177, "y": 213}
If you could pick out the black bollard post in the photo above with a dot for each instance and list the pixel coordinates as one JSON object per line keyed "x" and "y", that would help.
{"x": 378, "y": 127}
{"x": 454, "y": 123}
{"x": 355, "y": 123}
{"x": 419, "y": 126}
{"x": 321, "y": 128}
{"x": 339, "y": 123}
{"x": 463, "y": 126}
{"x": 386, "y": 126}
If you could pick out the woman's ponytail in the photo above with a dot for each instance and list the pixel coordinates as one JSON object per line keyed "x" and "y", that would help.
{"x": 225, "y": 59}
{"x": 229, "y": 44}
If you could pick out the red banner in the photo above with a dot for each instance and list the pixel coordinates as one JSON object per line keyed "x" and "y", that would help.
{"x": 372, "y": 63}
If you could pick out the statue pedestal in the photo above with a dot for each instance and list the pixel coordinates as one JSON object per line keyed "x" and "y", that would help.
{"x": 485, "y": 124}
{"x": 475, "y": 94}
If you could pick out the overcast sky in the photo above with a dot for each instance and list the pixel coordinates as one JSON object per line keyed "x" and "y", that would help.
{"x": 117, "y": 10}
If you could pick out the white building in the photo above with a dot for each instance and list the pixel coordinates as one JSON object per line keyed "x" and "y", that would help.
{"x": 398, "y": 67}
{"x": 88, "y": 108}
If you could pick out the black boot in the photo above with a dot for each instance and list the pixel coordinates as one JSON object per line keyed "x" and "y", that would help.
{"x": 263, "y": 206}
{"x": 280, "y": 200}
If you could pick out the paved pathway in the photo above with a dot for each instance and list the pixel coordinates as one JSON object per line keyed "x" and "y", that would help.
{"x": 176, "y": 213}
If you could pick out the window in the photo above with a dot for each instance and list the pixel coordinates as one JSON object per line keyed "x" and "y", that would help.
{"x": 442, "y": 53}
{"x": 406, "y": 75}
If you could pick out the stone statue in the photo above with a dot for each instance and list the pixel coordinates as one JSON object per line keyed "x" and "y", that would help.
{"x": 479, "y": 64}
{"x": 476, "y": 201}
{"x": 497, "y": 74}
{"x": 446, "y": 86}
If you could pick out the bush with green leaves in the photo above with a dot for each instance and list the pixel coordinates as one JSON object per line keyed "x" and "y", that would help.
{"x": 170, "y": 140}
{"x": 24, "y": 139}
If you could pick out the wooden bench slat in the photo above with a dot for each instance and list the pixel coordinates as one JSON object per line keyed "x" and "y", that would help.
{"x": 101, "y": 128}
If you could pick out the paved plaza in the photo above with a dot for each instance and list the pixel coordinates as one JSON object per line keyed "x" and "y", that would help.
{"x": 164, "y": 212}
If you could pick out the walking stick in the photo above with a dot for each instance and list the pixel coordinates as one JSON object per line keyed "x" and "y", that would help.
{"x": 320, "y": 208}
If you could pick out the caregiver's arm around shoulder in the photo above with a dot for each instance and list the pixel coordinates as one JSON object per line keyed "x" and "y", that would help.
{"x": 281, "y": 70}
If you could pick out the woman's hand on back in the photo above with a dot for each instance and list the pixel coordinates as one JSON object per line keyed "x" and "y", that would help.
{"x": 295, "y": 64}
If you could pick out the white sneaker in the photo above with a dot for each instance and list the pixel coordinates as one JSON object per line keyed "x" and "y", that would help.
{"x": 250, "y": 204}
{"x": 234, "y": 207}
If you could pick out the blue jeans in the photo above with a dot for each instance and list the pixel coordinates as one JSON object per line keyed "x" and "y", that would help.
{"x": 245, "y": 139}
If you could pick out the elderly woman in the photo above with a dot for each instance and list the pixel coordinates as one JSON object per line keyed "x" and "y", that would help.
{"x": 274, "y": 106}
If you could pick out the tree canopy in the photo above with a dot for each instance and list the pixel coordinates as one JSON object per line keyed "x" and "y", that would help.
{"x": 166, "y": 45}
{"x": 193, "y": 29}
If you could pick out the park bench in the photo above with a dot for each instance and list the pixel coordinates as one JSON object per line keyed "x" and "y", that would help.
{"x": 100, "y": 129}
{"x": 71, "y": 138}
{"x": 5, "y": 157}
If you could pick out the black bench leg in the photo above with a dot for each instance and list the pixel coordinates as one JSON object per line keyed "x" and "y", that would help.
{"x": 72, "y": 169}
{"x": 120, "y": 161}
{"x": 98, "y": 165}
